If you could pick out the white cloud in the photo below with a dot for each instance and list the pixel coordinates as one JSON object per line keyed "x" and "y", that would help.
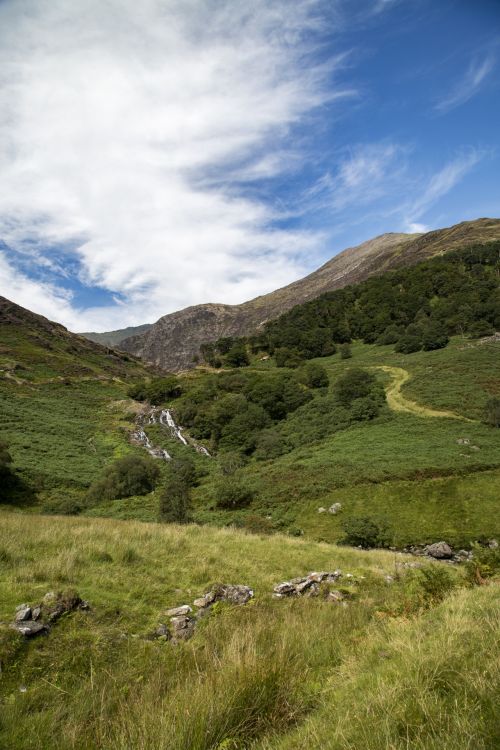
{"x": 123, "y": 127}
{"x": 441, "y": 183}
{"x": 469, "y": 85}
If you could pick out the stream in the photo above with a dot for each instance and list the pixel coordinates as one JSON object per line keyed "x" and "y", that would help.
{"x": 164, "y": 418}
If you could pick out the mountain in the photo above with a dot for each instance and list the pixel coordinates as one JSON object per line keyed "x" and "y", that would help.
{"x": 33, "y": 347}
{"x": 174, "y": 341}
{"x": 113, "y": 338}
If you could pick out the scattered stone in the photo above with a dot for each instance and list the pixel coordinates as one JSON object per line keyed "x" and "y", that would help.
{"x": 475, "y": 448}
{"x": 49, "y": 599}
{"x": 334, "y": 509}
{"x": 306, "y": 585}
{"x": 23, "y": 612}
{"x": 439, "y": 550}
{"x": 463, "y": 441}
{"x": 493, "y": 544}
{"x": 183, "y": 627}
{"x": 321, "y": 510}
{"x": 205, "y": 601}
{"x": 462, "y": 555}
{"x": 335, "y": 596}
{"x": 30, "y": 628}
{"x": 234, "y": 594}
{"x": 185, "y": 609}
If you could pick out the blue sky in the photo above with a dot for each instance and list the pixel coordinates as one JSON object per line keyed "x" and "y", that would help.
{"x": 186, "y": 151}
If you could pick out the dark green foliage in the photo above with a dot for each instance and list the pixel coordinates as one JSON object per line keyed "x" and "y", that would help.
{"x": 484, "y": 564}
{"x": 157, "y": 391}
{"x": 446, "y": 295}
{"x": 366, "y": 532}
{"x": 481, "y": 328}
{"x": 270, "y": 444}
{"x": 354, "y": 384}
{"x": 237, "y": 356}
{"x": 5, "y": 460}
{"x": 175, "y": 499}
{"x": 345, "y": 351}
{"x": 492, "y": 412}
{"x": 287, "y": 357}
{"x": 391, "y": 335}
{"x": 313, "y": 376}
{"x": 435, "y": 336}
{"x": 436, "y": 582}
{"x": 127, "y": 476}
{"x": 233, "y": 493}
{"x": 233, "y": 408}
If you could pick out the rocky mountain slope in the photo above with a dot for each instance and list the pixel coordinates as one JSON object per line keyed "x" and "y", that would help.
{"x": 113, "y": 338}
{"x": 173, "y": 342}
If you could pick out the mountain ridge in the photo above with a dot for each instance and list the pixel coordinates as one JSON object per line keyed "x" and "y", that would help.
{"x": 174, "y": 341}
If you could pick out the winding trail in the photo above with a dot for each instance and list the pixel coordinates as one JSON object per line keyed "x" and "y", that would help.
{"x": 398, "y": 402}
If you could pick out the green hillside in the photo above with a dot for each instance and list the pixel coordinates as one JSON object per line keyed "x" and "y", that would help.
{"x": 398, "y": 654}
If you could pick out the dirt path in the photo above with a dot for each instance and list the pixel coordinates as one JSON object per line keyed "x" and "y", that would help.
{"x": 398, "y": 402}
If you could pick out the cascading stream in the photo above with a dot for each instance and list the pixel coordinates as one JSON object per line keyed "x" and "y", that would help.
{"x": 164, "y": 418}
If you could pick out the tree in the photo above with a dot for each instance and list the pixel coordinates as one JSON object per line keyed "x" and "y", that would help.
{"x": 237, "y": 356}
{"x": 175, "y": 499}
{"x": 355, "y": 383}
{"x": 345, "y": 351}
{"x": 127, "y": 476}
{"x": 409, "y": 343}
{"x": 366, "y": 532}
{"x": 391, "y": 335}
{"x": 232, "y": 493}
{"x": 435, "y": 336}
{"x": 286, "y": 357}
{"x": 313, "y": 376}
{"x": 492, "y": 412}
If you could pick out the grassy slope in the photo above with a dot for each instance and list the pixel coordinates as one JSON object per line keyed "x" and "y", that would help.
{"x": 406, "y": 468}
{"x": 302, "y": 673}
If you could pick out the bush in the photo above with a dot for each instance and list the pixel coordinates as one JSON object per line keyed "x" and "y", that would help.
{"x": 345, "y": 351}
{"x": 355, "y": 383}
{"x": 131, "y": 475}
{"x": 485, "y": 564}
{"x": 480, "y": 328}
{"x": 5, "y": 459}
{"x": 270, "y": 444}
{"x": 313, "y": 376}
{"x": 362, "y": 531}
{"x": 175, "y": 499}
{"x": 237, "y": 356}
{"x": 409, "y": 343}
{"x": 391, "y": 335}
{"x": 435, "y": 337}
{"x": 492, "y": 412}
{"x": 436, "y": 582}
{"x": 157, "y": 391}
{"x": 233, "y": 493}
{"x": 286, "y": 357}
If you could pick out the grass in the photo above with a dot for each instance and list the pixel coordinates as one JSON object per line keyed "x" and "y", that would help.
{"x": 272, "y": 674}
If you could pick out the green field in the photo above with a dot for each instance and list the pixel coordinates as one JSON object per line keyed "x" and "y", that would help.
{"x": 271, "y": 674}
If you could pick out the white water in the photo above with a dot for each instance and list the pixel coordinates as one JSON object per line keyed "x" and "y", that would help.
{"x": 165, "y": 419}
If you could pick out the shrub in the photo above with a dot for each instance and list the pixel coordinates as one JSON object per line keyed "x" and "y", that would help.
{"x": 233, "y": 493}
{"x": 237, "y": 356}
{"x": 366, "y": 532}
{"x": 435, "y": 337}
{"x": 436, "y": 582}
{"x": 175, "y": 499}
{"x": 313, "y": 376}
{"x": 157, "y": 391}
{"x": 391, "y": 335}
{"x": 485, "y": 564}
{"x": 345, "y": 351}
{"x": 5, "y": 459}
{"x": 492, "y": 412}
{"x": 355, "y": 383}
{"x": 286, "y": 357}
{"x": 131, "y": 475}
{"x": 480, "y": 328}
{"x": 409, "y": 343}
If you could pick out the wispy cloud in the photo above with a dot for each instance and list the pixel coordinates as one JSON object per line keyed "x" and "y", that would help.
{"x": 439, "y": 184}
{"x": 114, "y": 118}
{"x": 469, "y": 84}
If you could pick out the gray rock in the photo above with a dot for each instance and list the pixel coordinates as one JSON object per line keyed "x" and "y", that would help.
{"x": 439, "y": 550}
{"x": 205, "y": 601}
{"x": 334, "y": 509}
{"x": 30, "y": 628}
{"x": 321, "y": 510}
{"x": 162, "y": 631}
{"x": 23, "y": 612}
{"x": 49, "y": 599}
{"x": 463, "y": 441}
{"x": 493, "y": 544}
{"x": 232, "y": 593}
{"x": 179, "y": 622}
{"x": 335, "y": 596}
{"x": 185, "y": 609}
{"x": 35, "y": 615}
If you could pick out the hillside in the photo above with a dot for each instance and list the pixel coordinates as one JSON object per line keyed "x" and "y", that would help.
{"x": 58, "y": 412}
{"x": 113, "y": 338}
{"x": 174, "y": 341}
{"x": 384, "y": 650}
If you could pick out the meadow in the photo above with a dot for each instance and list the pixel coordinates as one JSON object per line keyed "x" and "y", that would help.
{"x": 385, "y": 671}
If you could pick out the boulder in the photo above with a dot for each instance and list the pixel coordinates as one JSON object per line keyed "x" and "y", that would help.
{"x": 23, "y": 612}
{"x": 439, "y": 551}
{"x": 30, "y": 628}
{"x": 185, "y": 609}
